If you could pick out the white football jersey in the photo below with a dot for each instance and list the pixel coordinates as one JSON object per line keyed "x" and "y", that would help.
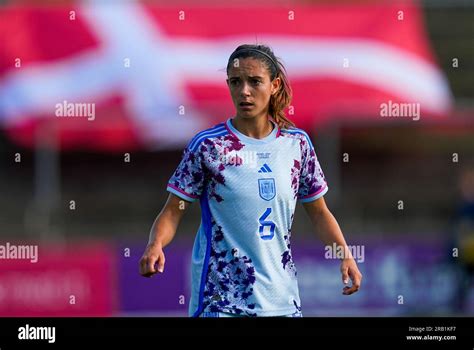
{"x": 247, "y": 188}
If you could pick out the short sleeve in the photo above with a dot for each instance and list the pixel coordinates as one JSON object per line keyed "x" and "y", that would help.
{"x": 187, "y": 182}
{"x": 312, "y": 183}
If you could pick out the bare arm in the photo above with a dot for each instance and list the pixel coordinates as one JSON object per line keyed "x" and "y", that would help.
{"x": 328, "y": 230}
{"x": 166, "y": 223}
{"x": 162, "y": 233}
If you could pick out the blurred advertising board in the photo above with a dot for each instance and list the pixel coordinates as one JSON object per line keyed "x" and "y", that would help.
{"x": 51, "y": 280}
{"x": 400, "y": 279}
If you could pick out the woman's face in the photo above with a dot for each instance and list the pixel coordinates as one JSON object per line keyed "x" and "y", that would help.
{"x": 250, "y": 87}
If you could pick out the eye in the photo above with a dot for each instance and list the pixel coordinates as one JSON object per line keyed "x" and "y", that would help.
{"x": 256, "y": 82}
{"x": 234, "y": 82}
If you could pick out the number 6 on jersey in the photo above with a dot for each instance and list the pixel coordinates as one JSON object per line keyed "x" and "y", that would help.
{"x": 270, "y": 224}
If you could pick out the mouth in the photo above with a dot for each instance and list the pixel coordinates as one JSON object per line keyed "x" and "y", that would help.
{"x": 246, "y": 105}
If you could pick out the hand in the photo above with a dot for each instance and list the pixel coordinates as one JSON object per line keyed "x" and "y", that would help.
{"x": 349, "y": 269}
{"x": 152, "y": 256}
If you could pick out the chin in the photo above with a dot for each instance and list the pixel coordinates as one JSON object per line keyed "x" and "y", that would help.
{"x": 249, "y": 114}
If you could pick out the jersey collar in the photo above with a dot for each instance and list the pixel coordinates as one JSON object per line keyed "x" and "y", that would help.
{"x": 270, "y": 137}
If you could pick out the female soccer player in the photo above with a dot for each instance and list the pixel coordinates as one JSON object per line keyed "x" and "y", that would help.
{"x": 248, "y": 172}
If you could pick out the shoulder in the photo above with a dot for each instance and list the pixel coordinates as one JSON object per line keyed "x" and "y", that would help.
{"x": 209, "y": 133}
{"x": 298, "y": 134}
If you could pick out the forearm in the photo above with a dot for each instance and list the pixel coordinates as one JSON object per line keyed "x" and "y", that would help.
{"x": 163, "y": 229}
{"x": 166, "y": 223}
{"x": 328, "y": 230}
{"x": 330, "y": 233}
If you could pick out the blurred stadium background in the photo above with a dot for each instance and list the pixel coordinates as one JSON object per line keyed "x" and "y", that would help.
{"x": 87, "y": 191}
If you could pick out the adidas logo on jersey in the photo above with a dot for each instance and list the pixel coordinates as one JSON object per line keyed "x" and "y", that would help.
{"x": 265, "y": 169}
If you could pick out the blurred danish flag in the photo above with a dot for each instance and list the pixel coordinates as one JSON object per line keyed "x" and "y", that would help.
{"x": 156, "y": 75}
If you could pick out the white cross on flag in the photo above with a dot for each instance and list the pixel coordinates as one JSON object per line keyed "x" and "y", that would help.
{"x": 124, "y": 76}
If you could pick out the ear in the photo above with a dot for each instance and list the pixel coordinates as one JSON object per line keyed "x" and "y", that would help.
{"x": 275, "y": 85}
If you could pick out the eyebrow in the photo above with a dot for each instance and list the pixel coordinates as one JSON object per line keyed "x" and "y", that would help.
{"x": 250, "y": 76}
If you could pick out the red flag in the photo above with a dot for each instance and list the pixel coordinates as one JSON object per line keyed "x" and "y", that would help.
{"x": 126, "y": 76}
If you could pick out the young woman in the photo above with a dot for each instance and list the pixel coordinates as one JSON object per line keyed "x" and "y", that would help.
{"x": 248, "y": 173}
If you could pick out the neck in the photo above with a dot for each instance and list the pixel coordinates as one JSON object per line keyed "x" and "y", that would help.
{"x": 257, "y": 127}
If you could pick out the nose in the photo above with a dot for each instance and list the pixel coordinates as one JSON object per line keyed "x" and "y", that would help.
{"x": 245, "y": 90}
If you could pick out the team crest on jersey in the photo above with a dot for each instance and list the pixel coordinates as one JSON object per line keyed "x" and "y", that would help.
{"x": 266, "y": 188}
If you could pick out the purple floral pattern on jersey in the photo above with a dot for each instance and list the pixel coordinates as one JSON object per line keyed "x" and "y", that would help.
{"x": 189, "y": 175}
{"x": 298, "y": 309}
{"x": 205, "y": 166}
{"x": 295, "y": 175}
{"x": 286, "y": 257}
{"x": 230, "y": 278}
{"x": 308, "y": 172}
{"x": 312, "y": 179}
{"x": 216, "y": 153}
